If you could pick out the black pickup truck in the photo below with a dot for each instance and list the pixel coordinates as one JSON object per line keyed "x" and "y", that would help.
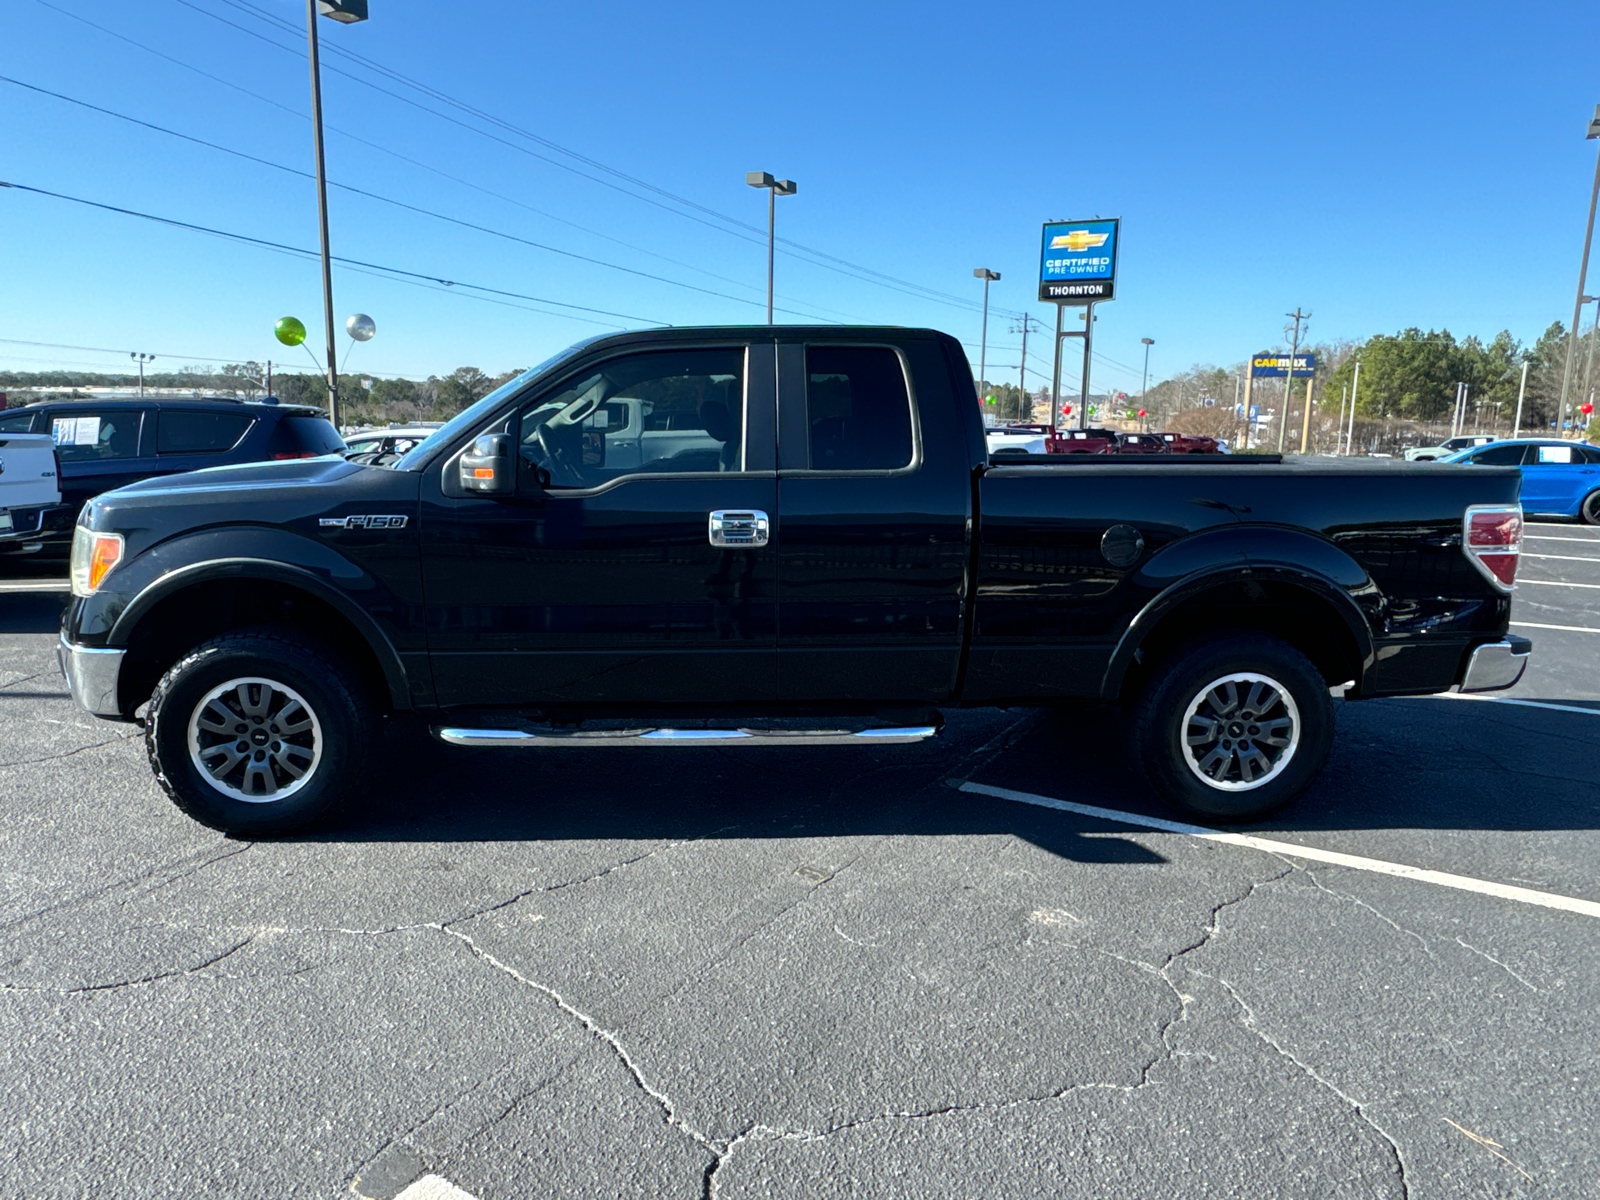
{"x": 770, "y": 536}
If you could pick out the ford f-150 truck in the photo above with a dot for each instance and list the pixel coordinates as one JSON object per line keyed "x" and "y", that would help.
{"x": 828, "y": 556}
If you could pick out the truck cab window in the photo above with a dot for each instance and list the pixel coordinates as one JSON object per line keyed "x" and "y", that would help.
{"x": 858, "y": 409}
{"x": 673, "y": 412}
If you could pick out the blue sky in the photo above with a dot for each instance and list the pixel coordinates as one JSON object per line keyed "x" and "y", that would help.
{"x": 1381, "y": 165}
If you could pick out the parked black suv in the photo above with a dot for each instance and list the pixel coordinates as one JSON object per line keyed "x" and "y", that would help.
{"x": 105, "y": 444}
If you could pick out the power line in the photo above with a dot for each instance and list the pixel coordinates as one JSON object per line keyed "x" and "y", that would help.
{"x": 387, "y": 199}
{"x": 754, "y": 234}
{"x": 355, "y": 262}
{"x": 392, "y": 153}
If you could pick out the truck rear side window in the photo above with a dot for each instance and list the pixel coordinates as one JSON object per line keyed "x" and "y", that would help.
{"x": 305, "y": 437}
{"x": 858, "y": 409}
{"x": 200, "y": 432}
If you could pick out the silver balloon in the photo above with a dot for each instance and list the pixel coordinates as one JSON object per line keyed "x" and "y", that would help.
{"x": 361, "y": 327}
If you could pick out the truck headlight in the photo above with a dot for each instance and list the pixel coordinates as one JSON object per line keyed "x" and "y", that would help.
{"x": 93, "y": 557}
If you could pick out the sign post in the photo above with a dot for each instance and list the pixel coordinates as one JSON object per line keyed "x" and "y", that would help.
{"x": 1287, "y": 367}
{"x": 1077, "y": 265}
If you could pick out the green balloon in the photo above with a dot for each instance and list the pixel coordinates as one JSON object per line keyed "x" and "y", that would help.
{"x": 289, "y": 331}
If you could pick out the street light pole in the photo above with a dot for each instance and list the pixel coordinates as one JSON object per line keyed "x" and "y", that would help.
{"x": 987, "y": 276}
{"x": 141, "y": 358}
{"x": 1583, "y": 271}
{"x": 322, "y": 210}
{"x": 1144, "y": 383}
{"x": 775, "y": 188}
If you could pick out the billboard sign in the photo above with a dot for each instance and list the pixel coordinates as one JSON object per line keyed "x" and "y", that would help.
{"x": 1268, "y": 365}
{"x": 1078, "y": 261}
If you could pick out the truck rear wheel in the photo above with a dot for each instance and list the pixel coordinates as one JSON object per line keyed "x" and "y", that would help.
{"x": 1235, "y": 728}
{"x": 258, "y": 733}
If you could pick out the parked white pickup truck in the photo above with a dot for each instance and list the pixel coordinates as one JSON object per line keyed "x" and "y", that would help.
{"x": 29, "y": 484}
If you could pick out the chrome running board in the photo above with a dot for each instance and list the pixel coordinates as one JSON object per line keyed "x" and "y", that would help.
{"x": 686, "y": 737}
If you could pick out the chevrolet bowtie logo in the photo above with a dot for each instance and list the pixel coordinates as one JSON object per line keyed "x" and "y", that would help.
{"x": 1078, "y": 240}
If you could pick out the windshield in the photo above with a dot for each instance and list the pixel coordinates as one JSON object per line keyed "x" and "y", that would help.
{"x": 469, "y": 417}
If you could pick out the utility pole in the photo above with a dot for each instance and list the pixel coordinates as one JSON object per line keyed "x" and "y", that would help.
{"x": 1144, "y": 382}
{"x": 1288, "y": 383}
{"x": 1583, "y": 271}
{"x": 1338, "y": 430}
{"x": 987, "y": 276}
{"x": 1522, "y": 390}
{"x": 1022, "y": 327}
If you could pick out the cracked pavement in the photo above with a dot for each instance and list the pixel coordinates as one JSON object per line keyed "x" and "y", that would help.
{"x": 792, "y": 973}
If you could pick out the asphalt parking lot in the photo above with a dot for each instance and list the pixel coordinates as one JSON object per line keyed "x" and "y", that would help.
{"x": 925, "y": 971}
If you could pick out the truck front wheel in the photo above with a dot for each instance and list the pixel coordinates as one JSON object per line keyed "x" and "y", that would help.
{"x": 257, "y": 733}
{"x": 1233, "y": 728}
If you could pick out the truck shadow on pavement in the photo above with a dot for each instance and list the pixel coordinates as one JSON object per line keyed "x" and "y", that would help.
{"x": 1404, "y": 764}
{"x": 31, "y": 612}
{"x": 452, "y": 794}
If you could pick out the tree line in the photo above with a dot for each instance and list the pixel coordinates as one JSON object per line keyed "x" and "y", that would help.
{"x": 386, "y": 401}
{"x": 1407, "y": 378}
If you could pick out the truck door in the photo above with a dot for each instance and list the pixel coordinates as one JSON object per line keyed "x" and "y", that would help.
{"x": 874, "y": 495}
{"x": 618, "y": 585}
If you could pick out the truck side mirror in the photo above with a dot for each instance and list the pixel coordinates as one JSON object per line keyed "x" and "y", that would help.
{"x": 488, "y": 466}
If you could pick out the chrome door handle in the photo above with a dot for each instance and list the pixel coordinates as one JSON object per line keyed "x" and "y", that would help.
{"x": 738, "y": 528}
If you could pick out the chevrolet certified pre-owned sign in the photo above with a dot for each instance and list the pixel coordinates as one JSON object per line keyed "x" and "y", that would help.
{"x": 1267, "y": 365}
{"x": 1079, "y": 261}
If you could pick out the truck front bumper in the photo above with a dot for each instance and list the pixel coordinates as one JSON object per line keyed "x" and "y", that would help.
{"x": 1496, "y": 666}
{"x": 92, "y": 676}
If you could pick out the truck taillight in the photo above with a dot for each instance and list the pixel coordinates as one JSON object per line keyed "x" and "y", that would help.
{"x": 1491, "y": 537}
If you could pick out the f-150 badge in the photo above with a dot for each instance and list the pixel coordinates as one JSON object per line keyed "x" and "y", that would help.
{"x": 362, "y": 522}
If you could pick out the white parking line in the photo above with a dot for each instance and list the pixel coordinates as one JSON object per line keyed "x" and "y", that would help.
{"x": 1563, "y": 557}
{"x": 1593, "y": 712}
{"x": 1545, "y": 537}
{"x": 1464, "y": 883}
{"x": 1557, "y": 583}
{"x": 1565, "y": 628}
{"x": 433, "y": 1187}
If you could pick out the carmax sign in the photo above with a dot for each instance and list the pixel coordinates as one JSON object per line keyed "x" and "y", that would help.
{"x": 1267, "y": 365}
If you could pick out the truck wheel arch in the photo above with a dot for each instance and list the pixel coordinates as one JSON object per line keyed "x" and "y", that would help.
{"x": 1333, "y": 632}
{"x": 144, "y": 626}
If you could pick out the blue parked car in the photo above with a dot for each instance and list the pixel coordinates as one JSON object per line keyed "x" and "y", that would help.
{"x": 1558, "y": 478}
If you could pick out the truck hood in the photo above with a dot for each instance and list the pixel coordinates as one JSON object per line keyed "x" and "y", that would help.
{"x": 291, "y": 473}
{"x": 297, "y": 495}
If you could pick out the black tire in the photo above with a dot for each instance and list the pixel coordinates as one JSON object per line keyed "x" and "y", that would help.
{"x": 329, "y": 750}
{"x": 1590, "y": 509}
{"x": 1243, "y": 789}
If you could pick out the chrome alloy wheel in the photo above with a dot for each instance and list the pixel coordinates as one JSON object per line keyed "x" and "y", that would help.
{"x": 255, "y": 740}
{"x": 1240, "y": 731}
